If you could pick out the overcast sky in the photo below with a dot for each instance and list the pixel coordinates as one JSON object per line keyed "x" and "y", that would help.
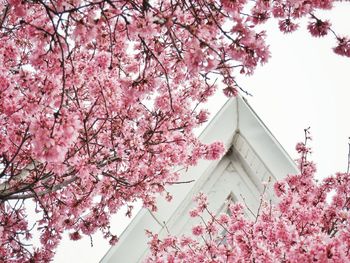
{"x": 304, "y": 84}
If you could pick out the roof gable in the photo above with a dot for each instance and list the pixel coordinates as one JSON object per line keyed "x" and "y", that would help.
{"x": 254, "y": 156}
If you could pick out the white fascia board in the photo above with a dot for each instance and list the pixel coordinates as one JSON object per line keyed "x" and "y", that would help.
{"x": 224, "y": 124}
{"x": 264, "y": 143}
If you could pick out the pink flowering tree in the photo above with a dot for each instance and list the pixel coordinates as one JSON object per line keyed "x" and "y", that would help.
{"x": 309, "y": 223}
{"x": 99, "y": 99}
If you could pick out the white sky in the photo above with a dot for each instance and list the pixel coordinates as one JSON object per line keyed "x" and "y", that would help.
{"x": 304, "y": 84}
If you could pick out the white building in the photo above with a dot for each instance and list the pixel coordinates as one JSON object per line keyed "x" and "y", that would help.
{"x": 254, "y": 156}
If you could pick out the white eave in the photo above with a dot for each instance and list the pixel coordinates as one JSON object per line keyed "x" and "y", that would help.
{"x": 257, "y": 154}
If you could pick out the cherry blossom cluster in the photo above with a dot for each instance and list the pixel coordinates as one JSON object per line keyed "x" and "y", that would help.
{"x": 99, "y": 100}
{"x": 309, "y": 223}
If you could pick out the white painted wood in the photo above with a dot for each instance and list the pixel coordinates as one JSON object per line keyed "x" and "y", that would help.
{"x": 254, "y": 156}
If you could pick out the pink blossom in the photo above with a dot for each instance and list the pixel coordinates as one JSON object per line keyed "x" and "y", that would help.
{"x": 287, "y": 26}
{"x": 280, "y": 188}
{"x": 301, "y": 148}
{"x": 202, "y": 116}
{"x": 214, "y": 151}
{"x": 223, "y": 219}
{"x": 75, "y": 236}
{"x": 233, "y": 6}
{"x": 197, "y": 230}
{"x": 230, "y": 92}
{"x": 319, "y": 28}
{"x": 113, "y": 240}
{"x": 343, "y": 47}
{"x": 194, "y": 213}
{"x": 278, "y": 11}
